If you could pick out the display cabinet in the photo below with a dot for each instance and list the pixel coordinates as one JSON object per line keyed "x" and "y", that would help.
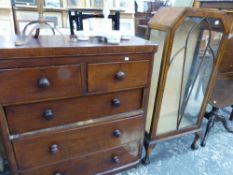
{"x": 191, "y": 43}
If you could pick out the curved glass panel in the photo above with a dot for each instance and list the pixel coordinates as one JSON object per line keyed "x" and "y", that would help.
{"x": 159, "y": 38}
{"x": 195, "y": 47}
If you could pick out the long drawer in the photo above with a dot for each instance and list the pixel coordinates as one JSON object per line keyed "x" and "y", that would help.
{"x": 53, "y": 147}
{"x": 100, "y": 162}
{"x": 24, "y": 118}
{"x": 28, "y": 84}
{"x": 116, "y": 76}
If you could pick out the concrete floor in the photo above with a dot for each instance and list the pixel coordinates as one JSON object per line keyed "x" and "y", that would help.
{"x": 174, "y": 157}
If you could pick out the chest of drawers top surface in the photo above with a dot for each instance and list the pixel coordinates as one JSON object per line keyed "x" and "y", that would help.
{"x": 63, "y": 46}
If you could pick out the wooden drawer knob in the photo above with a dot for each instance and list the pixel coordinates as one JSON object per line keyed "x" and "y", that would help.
{"x": 54, "y": 149}
{"x": 48, "y": 114}
{"x": 115, "y": 159}
{"x": 117, "y": 133}
{"x": 120, "y": 75}
{"x": 57, "y": 173}
{"x": 116, "y": 102}
{"x": 43, "y": 83}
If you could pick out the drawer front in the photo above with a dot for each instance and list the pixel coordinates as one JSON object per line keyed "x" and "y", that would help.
{"x": 94, "y": 163}
{"x": 50, "y": 148}
{"x": 26, "y": 84}
{"x": 115, "y": 76}
{"x": 24, "y": 118}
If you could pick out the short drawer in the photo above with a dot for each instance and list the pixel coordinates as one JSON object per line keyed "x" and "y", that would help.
{"x": 95, "y": 163}
{"x": 28, "y": 84}
{"x": 24, "y": 118}
{"x": 52, "y": 147}
{"x": 115, "y": 76}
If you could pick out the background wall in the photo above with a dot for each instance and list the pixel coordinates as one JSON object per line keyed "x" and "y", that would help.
{"x": 183, "y": 3}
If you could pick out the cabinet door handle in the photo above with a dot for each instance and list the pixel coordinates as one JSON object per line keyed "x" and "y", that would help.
{"x": 43, "y": 83}
{"x": 54, "y": 149}
{"x": 115, "y": 159}
{"x": 116, "y": 102}
{"x": 48, "y": 114}
{"x": 120, "y": 75}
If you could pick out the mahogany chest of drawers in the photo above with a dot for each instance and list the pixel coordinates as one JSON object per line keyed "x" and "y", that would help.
{"x": 70, "y": 108}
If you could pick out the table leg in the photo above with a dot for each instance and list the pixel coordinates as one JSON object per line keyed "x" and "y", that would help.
{"x": 211, "y": 120}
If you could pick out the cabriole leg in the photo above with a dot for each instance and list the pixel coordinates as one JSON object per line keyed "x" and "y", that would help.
{"x": 194, "y": 145}
{"x": 148, "y": 148}
{"x": 231, "y": 116}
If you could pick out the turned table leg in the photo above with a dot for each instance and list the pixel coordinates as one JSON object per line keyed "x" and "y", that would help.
{"x": 223, "y": 120}
{"x": 211, "y": 116}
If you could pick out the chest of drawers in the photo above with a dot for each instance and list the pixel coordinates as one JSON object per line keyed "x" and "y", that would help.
{"x": 71, "y": 108}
